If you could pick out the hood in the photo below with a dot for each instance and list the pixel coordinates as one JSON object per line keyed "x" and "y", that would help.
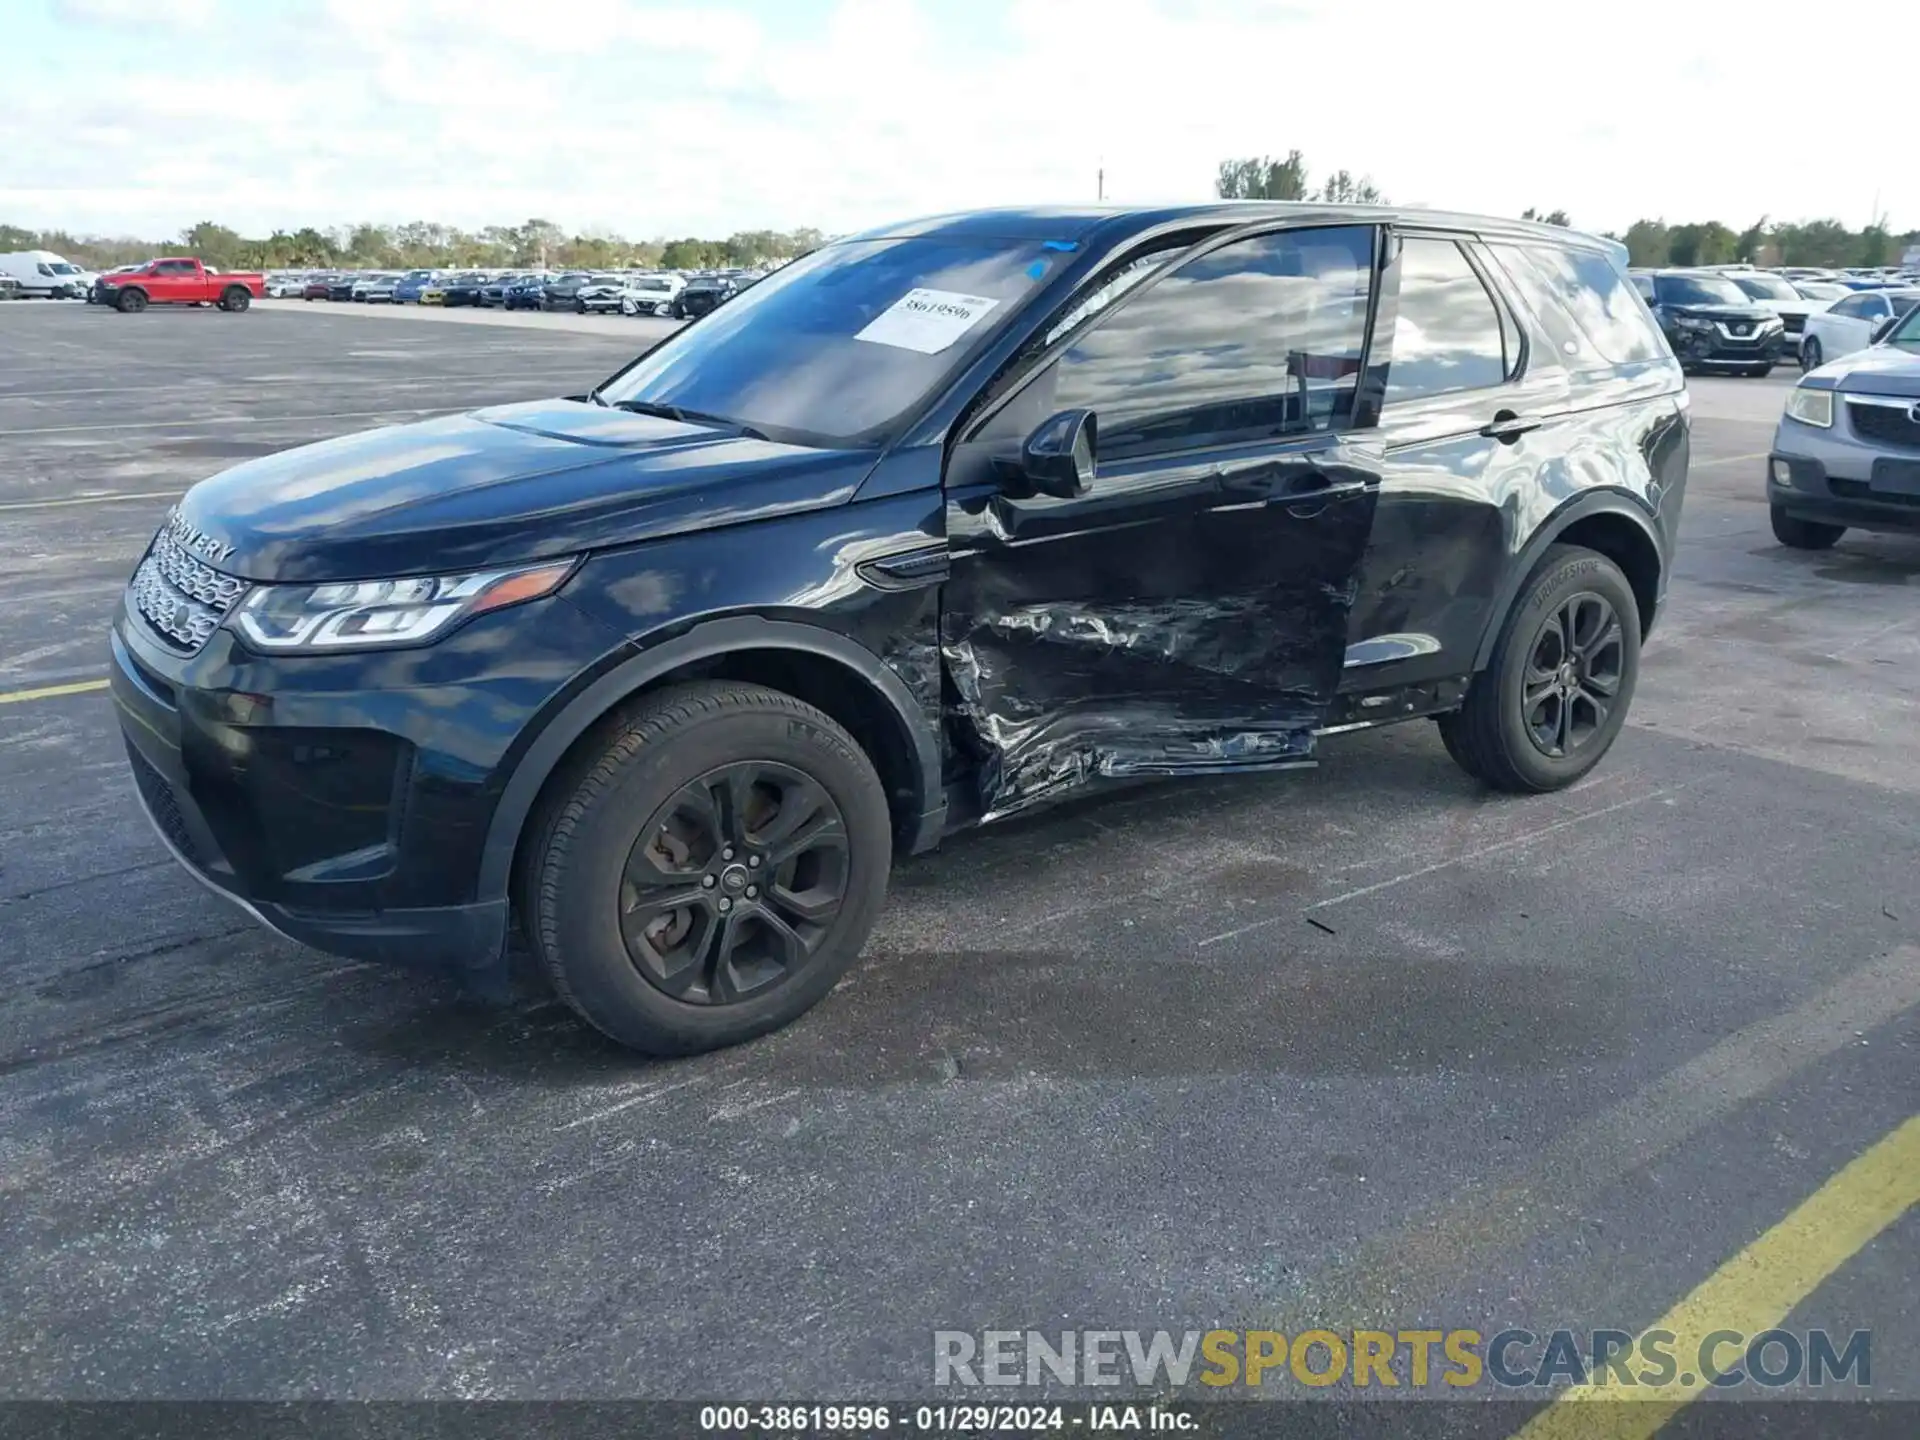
{"x": 1756, "y": 313}
{"x": 1877, "y": 370}
{"x": 505, "y": 485}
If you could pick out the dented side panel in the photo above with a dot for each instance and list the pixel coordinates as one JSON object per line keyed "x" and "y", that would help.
{"x": 1186, "y": 616}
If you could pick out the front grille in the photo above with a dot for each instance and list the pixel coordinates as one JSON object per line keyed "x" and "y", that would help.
{"x": 1886, "y": 424}
{"x": 164, "y": 806}
{"x": 182, "y": 599}
{"x": 1794, "y": 323}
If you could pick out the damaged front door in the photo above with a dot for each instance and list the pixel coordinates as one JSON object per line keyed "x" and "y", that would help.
{"x": 1187, "y": 611}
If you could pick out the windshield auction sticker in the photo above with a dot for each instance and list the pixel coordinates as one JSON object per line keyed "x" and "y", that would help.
{"x": 926, "y": 320}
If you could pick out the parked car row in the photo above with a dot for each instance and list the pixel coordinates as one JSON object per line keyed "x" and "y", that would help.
{"x": 679, "y": 295}
{"x": 1743, "y": 319}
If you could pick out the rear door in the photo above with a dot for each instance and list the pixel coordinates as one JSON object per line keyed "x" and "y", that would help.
{"x": 1189, "y": 612}
{"x": 1467, "y": 420}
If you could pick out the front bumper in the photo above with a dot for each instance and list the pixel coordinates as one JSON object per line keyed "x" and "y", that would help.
{"x": 344, "y": 801}
{"x": 1828, "y": 475}
{"x": 1717, "y": 347}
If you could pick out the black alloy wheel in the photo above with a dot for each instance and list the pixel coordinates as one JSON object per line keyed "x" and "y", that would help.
{"x": 734, "y": 882}
{"x": 638, "y": 883}
{"x": 1810, "y": 354}
{"x": 1554, "y": 693}
{"x": 1573, "y": 675}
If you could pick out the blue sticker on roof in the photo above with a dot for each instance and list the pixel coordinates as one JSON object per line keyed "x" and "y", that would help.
{"x": 1063, "y": 245}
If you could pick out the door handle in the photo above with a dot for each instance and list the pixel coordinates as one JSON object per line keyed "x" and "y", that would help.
{"x": 1507, "y": 427}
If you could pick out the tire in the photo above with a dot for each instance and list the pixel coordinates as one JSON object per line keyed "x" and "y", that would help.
{"x": 1803, "y": 534}
{"x": 1810, "y": 353}
{"x": 1492, "y": 736}
{"x": 235, "y": 299}
{"x": 658, "y": 989}
{"x": 1759, "y": 372}
{"x": 132, "y": 302}
{"x": 579, "y": 307}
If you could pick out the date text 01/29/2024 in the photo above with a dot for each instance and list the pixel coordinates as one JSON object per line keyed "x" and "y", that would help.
{"x": 942, "y": 1419}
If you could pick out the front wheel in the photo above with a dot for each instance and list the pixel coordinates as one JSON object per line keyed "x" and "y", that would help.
{"x": 132, "y": 302}
{"x": 1555, "y": 693}
{"x": 709, "y": 869}
{"x": 1803, "y": 534}
{"x": 1759, "y": 372}
{"x": 1810, "y": 354}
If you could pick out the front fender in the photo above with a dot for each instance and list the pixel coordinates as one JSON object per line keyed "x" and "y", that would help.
{"x": 703, "y": 642}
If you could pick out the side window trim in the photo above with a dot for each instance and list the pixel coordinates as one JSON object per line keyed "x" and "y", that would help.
{"x": 1505, "y": 315}
{"x": 1036, "y": 364}
{"x": 1512, "y": 332}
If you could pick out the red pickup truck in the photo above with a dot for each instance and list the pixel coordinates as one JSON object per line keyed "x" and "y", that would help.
{"x": 178, "y": 280}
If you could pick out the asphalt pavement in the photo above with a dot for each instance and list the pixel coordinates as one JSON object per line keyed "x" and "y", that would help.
{"x": 1365, "y": 1043}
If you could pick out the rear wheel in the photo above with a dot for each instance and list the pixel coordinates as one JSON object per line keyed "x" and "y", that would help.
{"x": 235, "y": 299}
{"x": 1555, "y": 692}
{"x": 710, "y": 870}
{"x": 132, "y": 302}
{"x": 1803, "y": 534}
{"x": 1810, "y": 353}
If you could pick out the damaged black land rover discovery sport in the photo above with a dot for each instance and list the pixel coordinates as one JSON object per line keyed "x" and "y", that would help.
{"x": 931, "y": 526}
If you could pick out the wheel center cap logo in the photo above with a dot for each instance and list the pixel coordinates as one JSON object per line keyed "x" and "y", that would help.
{"x": 734, "y": 879}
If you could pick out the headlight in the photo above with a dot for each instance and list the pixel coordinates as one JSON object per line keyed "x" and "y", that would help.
{"x": 1689, "y": 322}
{"x": 1811, "y": 407}
{"x": 373, "y": 614}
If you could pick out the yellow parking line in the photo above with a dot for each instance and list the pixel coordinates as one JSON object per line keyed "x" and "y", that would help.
{"x": 1752, "y": 1292}
{"x": 50, "y": 692}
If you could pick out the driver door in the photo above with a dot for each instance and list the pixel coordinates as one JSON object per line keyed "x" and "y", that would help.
{"x": 1188, "y": 612}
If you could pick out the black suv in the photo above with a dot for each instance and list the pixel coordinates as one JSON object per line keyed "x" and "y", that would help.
{"x": 705, "y": 294}
{"x": 932, "y": 526}
{"x": 1711, "y": 323}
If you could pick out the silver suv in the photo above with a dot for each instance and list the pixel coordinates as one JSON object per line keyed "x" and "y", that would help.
{"x": 1846, "y": 453}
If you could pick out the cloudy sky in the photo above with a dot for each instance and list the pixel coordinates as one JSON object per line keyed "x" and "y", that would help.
{"x": 707, "y": 116}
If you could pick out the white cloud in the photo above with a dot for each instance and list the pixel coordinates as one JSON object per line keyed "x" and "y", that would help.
{"x": 677, "y": 118}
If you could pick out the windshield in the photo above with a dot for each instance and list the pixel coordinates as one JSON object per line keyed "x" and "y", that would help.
{"x": 839, "y": 346}
{"x": 1906, "y": 333}
{"x": 1766, "y": 287}
{"x": 61, "y": 267}
{"x": 1698, "y": 290}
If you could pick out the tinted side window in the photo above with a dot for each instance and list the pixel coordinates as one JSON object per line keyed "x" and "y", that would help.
{"x": 1584, "y": 285}
{"x": 1448, "y": 334}
{"x": 1852, "y": 307}
{"x": 1260, "y": 338}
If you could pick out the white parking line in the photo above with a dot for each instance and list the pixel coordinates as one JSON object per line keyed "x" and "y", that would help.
{"x": 1474, "y": 854}
{"x": 191, "y": 425}
{"x": 92, "y": 500}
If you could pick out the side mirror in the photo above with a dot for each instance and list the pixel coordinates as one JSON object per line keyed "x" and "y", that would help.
{"x": 1883, "y": 329}
{"x": 1058, "y": 457}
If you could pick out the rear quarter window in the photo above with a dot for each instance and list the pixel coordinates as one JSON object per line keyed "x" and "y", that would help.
{"x": 1590, "y": 310}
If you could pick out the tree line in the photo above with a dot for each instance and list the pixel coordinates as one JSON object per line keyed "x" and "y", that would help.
{"x": 1827, "y": 243}
{"x": 421, "y": 244}
{"x": 538, "y": 242}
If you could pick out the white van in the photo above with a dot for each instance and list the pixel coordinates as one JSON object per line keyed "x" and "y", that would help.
{"x": 43, "y": 273}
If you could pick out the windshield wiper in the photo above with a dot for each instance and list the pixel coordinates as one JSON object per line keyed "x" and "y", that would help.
{"x": 686, "y": 417}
